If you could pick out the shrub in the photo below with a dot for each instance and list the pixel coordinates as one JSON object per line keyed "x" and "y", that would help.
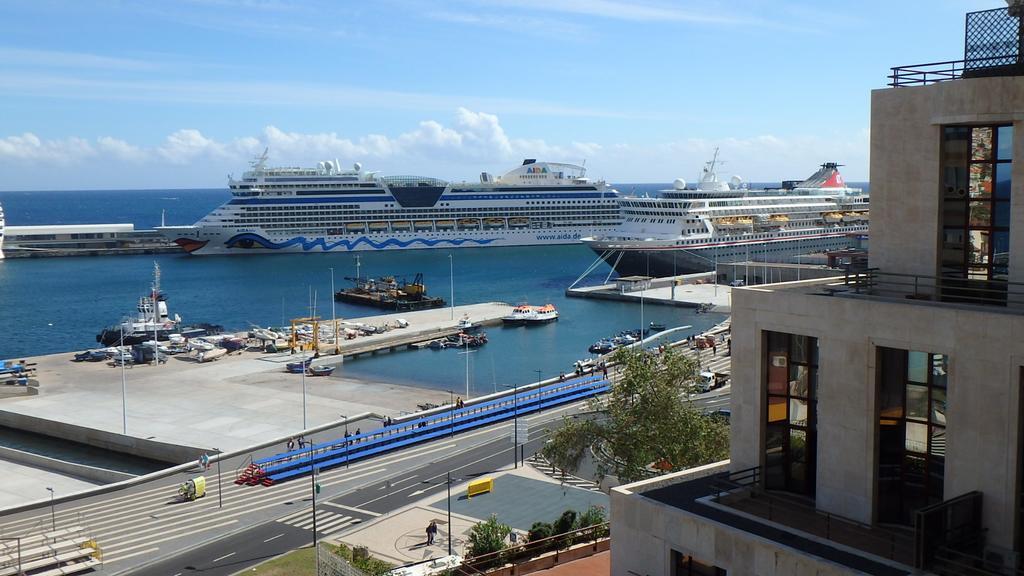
{"x": 487, "y": 537}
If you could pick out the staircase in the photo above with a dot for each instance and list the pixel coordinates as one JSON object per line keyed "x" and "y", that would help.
{"x": 54, "y": 553}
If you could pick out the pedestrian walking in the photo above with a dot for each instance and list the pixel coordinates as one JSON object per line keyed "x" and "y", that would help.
{"x": 714, "y": 349}
{"x": 291, "y": 444}
{"x": 431, "y": 532}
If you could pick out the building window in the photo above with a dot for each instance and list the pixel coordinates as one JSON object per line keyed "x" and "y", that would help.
{"x": 911, "y": 432}
{"x": 686, "y": 565}
{"x": 976, "y": 164}
{"x": 791, "y": 381}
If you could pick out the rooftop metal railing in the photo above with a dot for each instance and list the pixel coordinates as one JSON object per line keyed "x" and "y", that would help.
{"x": 939, "y": 289}
{"x": 993, "y": 46}
{"x": 932, "y": 72}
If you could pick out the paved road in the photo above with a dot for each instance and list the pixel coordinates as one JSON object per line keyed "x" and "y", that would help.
{"x": 269, "y": 539}
{"x": 341, "y": 513}
{"x": 143, "y": 524}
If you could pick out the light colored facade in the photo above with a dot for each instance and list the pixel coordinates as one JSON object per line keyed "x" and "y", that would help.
{"x": 881, "y": 400}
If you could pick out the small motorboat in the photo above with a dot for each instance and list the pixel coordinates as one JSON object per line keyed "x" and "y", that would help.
{"x": 467, "y": 325}
{"x": 656, "y": 327}
{"x": 602, "y": 346}
{"x": 298, "y": 367}
{"x": 210, "y": 355}
{"x": 322, "y": 370}
{"x": 232, "y": 344}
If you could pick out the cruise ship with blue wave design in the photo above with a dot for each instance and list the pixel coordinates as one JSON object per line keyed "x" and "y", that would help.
{"x": 331, "y": 209}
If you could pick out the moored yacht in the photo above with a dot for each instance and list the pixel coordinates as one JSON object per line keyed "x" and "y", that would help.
{"x": 688, "y": 230}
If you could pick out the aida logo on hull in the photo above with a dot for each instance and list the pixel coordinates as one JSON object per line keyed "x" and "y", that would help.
{"x": 565, "y": 236}
{"x": 537, "y": 170}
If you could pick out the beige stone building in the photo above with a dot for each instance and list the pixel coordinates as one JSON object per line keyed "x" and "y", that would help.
{"x": 878, "y": 418}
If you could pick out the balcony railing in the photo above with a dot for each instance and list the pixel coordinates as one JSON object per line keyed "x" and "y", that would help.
{"x": 742, "y": 491}
{"x": 874, "y": 282}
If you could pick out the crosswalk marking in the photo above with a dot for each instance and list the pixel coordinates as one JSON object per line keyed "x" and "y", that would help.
{"x": 326, "y": 522}
{"x": 539, "y": 462}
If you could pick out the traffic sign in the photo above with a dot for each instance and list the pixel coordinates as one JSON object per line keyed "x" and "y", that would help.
{"x": 521, "y": 432}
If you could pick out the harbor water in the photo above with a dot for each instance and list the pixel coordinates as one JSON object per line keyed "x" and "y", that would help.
{"x": 53, "y": 305}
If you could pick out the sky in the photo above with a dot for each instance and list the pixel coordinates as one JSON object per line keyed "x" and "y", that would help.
{"x": 126, "y": 94}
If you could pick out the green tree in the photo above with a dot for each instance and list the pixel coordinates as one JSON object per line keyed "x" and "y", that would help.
{"x": 594, "y": 516}
{"x": 487, "y": 537}
{"x": 647, "y": 419}
{"x": 539, "y": 531}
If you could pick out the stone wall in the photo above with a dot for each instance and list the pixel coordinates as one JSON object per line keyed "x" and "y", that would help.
{"x": 985, "y": 350}
{"x": 905, "y": 173}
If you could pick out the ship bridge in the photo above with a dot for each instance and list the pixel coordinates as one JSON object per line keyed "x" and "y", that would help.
{"x": 415, "y": 191}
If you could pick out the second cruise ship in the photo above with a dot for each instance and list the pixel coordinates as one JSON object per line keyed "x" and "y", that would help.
{"x": 328, "y": 208}
{"x": 693, "y": 230}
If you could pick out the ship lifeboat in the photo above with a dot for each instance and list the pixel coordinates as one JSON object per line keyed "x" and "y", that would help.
{"x": 518, "y": 222}
{"x": 378, "y": 226}
{"x": 494, "y": 223}
{"x": 832, "y": 217}
{"x": 778, "y": 218}
{"x": 423, "y": 225}
{"x": 469, "y": 224}
{"x": 401, "y": 226}
{"x": 355, "y": 227}
{"x": 851, "y": 217}
{"x": 445, "y": 224}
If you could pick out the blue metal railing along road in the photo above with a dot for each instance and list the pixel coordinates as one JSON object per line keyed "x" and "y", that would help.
{"x": 295, "y": 463}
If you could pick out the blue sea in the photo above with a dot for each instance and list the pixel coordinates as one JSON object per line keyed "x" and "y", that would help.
{"x": 51, "y": 305}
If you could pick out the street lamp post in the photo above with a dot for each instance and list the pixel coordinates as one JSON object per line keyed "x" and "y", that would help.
{"x": 448, "y": 482}
{"x": 515, "y": 422}
{"x": 312, "y": 487}
{"x": 124, "y": 387}
{"x": 467, "y": 353}
{"x": 346, "y": 438}
{"x": 53, "y": 515}
{"x": 451, "y": 416}
{"x": 451, "y": 276}
{"x": 334, "y": 318}
{"x": 220, "y": 499}
{"x": 305, "y": 367}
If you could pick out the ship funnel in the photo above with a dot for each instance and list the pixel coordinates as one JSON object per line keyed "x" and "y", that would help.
{"x": 357, "y": 166}
{"x": 679, "y": 184}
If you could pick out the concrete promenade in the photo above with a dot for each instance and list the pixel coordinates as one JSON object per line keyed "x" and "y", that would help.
{"x": 236, "y": 401}
{"x": 691, "y": 295}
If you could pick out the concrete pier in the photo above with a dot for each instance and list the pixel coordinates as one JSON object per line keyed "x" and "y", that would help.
{"x": 424, "y": 325}
{"x": 689, "y": 291}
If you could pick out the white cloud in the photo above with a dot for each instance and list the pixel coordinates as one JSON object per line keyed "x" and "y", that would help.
{"x": 474, "y": 141}
{"x": 258, "y": 93}
{"x": 72, "y": 60}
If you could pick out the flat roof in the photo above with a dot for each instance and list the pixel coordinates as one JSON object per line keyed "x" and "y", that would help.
{"x": 69, "y": 229}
